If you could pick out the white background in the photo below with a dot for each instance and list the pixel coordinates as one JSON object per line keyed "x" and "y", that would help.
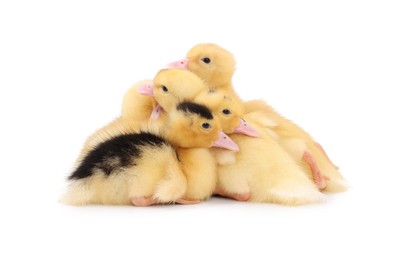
{"x": 338, "y": 69}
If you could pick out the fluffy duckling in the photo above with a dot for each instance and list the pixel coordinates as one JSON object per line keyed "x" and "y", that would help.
{"x": 269, "y": 175}
{"x": 218, "y": 69}
{"x": 142, "y": 168}
{"x": 214, "y": 64}
{"x": 176, "y": 85}
{"x": 197, "y": 164}
{"x": 168, "y": 88}
{"x": 171, "y": 86}
{"x": 138, "y": 168}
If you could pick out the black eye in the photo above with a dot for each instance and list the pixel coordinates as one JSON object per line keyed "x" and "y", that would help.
{"x": 226, "y": 111}
{"x": 206, "y": 60}
{"x": 164, "y": 88}
{"x": 206, "y": 125}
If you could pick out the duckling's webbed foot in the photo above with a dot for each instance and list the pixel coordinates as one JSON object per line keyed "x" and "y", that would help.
{"x": 318, "y": 178}
{"x": 235, "y": 196}
{"x": 143, "y": 201}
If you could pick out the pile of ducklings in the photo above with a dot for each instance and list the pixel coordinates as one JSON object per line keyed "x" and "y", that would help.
{"x": 187, "y": 135}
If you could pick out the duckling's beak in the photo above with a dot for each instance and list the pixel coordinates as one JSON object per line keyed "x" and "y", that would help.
{"x": 146, "y": 89}
{"x": 246, "y": 129}
{"x": 180, "y": 64}
{"x": 225, "y": 142}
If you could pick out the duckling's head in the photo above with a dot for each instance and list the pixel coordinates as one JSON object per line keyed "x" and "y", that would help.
{"x": 228, "y": 109}
{"x": 209, "y": 61}
{"x": 193, "y": 125}
{"x": 172, "y": 86}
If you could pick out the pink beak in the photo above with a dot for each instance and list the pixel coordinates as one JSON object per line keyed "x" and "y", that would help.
{"x": 246, "y": 129}
{"x": 180, "y": 64}
{"x": 225, "y": 142}
{"x": 146, "y": 89}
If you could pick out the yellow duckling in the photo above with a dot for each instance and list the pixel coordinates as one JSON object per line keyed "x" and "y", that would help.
{"x": 262, "y": 171}
{"x": 214, "y": 64}
{"x": 142, "y": 168}
{"x": 198, "y": 164}
{"x": 169, "y": 87}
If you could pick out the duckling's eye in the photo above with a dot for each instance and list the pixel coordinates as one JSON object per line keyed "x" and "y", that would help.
{"x": 206, "y": 60}
{"x": 164, "y": 88}
{"x": 206, "y": 125}
{"x": 226, "y": 112}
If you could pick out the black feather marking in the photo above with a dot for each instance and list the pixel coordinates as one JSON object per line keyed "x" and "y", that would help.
{"x": 195, "y": 108}
{"x": 115, "y": 154}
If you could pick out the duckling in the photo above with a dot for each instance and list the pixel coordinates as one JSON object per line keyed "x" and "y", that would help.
{"x": 271, "y": 175}
{"x": 198, "y": 164}
{"x": 141, "y": 168}
{"x": 169, "y": 87}
{"x": 218, "y": 69}
{"x": 214, "y": 64}
{"x": 128, "y": 169}
{"x": 172, "y": 86}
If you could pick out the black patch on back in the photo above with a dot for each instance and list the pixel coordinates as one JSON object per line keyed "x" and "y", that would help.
{"x": 195, "y": 108}
{"x": 118, "y": 152}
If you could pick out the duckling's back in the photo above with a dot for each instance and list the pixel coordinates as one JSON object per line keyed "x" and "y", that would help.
{"x": 109, "y": 173}
{"x": 117, "y": 153}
